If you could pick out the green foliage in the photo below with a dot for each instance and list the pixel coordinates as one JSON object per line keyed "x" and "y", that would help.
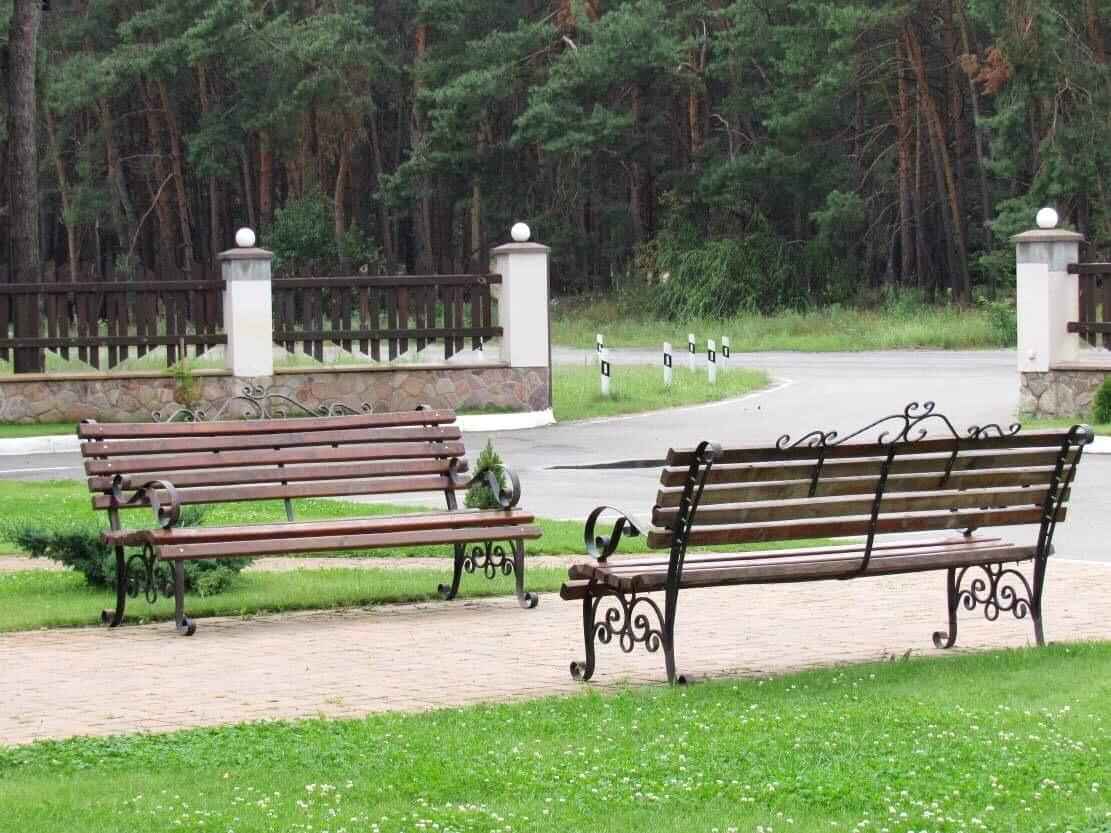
{"x": 1101, "y": 404}
{"x": 303, "y": 234}
{"x": 479, "y": 495}
{"x": 186, "y": 387}
{"x": 1003, "y": 316}
{"x": 78, "y": 545}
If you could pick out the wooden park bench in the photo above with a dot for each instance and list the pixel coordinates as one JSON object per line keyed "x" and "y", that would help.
{"x": 823, "y": 486}
{"x": 164, "y": 466}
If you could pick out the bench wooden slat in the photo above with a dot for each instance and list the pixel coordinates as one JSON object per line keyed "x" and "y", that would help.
{"x": 752, "y": 454}
{"x": 111, "y": 448}
{"x": 357, "y": 541}
{"x": 834, "y": 487}
{"x": 585, "y": 569}
{"x": 840, "y": 528}
{"x": 275, "y": 457}
{"x": 274, "y": 474}
{"x": 393, "y": 523}
{"x": 904, "y": 463}
{"x": 329, "y": 488}
{"x": 133, "y": 430}
{"x": 839, "y": 507}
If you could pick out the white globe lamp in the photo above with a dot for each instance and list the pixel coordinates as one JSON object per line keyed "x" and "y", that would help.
{"x": 520, "y": 232}
{"x": 1047, "y": 218}
{"x": 245, "y": 238}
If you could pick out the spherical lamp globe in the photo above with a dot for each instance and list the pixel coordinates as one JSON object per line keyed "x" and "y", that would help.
{"x": 1047, "y": 218}
{"x": 245, "y": 238}
{"x": 520, "y": 232}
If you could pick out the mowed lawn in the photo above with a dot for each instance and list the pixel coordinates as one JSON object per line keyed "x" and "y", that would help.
{"x": 1003, "y": 741}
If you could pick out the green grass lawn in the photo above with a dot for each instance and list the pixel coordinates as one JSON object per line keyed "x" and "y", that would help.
{"x": 9, "y": 430}
{"x": 996, "y": 741}
{"x": 575, "y": 323}
{"x": 1103, "y": 429}
{"x": 576, "y": 391}
{"x": 30, "y": 600}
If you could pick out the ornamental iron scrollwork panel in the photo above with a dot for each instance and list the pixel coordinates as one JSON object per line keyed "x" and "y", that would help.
{"x": 145, "y": 575}
{"x": 490, "y": 558}
{"x": 255, "y": 401}
{"x": 630, "y": 620}
{"x": 910, "y": 426}
{"x": 997, "y": 591}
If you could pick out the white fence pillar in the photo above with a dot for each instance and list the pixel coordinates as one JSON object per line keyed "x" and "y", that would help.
{"x": 523, "y": 303}
{"x": 1048, "y": 297}
{"x": 248, "y": 318}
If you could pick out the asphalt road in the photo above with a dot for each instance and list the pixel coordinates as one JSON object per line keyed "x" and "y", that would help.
{"x": 559, "y": 464}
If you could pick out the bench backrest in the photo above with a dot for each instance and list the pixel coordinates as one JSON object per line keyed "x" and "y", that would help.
{"x": 240, "y": 460}
{"x": 822, "y": 489}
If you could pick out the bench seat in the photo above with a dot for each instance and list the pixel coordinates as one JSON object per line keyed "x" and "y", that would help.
{"x": 648, "y": 575}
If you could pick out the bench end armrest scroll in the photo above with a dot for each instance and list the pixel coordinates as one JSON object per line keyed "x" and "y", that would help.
{"x": 507, "y": 496}
{"x": 166, "y": 514}
{"x": 601, "y": 547}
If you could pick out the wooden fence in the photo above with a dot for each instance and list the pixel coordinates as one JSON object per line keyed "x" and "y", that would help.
{"x": 1094, "y": 315}
{"x": 365, "y": 312}
{"x": 106, "y": 322}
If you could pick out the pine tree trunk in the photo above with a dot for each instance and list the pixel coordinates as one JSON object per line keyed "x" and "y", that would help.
{"x": 159, "y": 194}
{"x": 971, "y": 47}
{"x": 72, "y": 247}
{"x": 338, "y": 212}
{"x": 179, "y": 179}
{"x": 386, "y": 238}
{"x": 265, "y": 180}
{"x": 903, "y": 143}
{"x": 1095, "y": 32}
{"x": 23, "y": 182}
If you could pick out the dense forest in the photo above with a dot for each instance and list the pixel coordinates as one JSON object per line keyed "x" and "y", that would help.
{"x": 750, "y": 154}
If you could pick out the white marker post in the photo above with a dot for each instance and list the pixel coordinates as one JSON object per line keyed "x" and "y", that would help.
{"x": 725, "y": 351}
{"x": 667, "y": 364}
{"x": 604, "y": 368}
{"x": 601, "y": 345}
{"x": 712, "y": 359}
{"x": 691, "y": 350}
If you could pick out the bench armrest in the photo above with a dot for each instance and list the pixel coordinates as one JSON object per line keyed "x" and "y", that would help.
{"x": 166, "y": 516}
{"x": 506, "y": 498}
{"x": 601, "y": 547}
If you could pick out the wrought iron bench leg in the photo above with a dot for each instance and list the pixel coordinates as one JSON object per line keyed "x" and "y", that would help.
{"x": 185, "y": 625}
{"x": 113, "y": 618}
{"x": 1000, "y": 589}
{"x": 448, "y": 591}
{"x": 524, "y": 599}
{"x": 585, "y": 670}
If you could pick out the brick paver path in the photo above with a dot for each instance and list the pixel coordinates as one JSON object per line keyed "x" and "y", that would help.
{"x": 92, "y": 681}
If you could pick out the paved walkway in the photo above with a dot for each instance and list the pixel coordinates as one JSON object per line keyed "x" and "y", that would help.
{"x": 91, "y": 681}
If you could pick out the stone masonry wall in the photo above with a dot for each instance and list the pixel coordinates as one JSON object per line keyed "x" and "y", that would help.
{"x": 134, "y": 398}
{"x": 1059, "y": 393}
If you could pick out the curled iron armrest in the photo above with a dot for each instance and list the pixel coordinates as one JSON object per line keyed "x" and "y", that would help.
{"x": 602, "y": 547}
{"x": 165, "y": 515}
{"x": 507, "y": 498}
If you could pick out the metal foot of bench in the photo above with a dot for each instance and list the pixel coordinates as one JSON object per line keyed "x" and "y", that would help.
{"x": 492, "y": 560}
{"x": 998, "y": 590}
{"x": 113, "y": 618}
{"x": 185, "y": 625}
{"x": 634, "y": 620}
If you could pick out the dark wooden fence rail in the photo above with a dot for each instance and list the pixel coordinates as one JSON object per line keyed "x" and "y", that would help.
{"x": 365, "y": 311}
{"x": 1094, "y": 315}
{"x": 118, "y": 315}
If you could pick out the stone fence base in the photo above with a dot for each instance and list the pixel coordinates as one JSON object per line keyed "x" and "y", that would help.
{"x": 1065, "y": 392}
{"x": 134, "y": 397}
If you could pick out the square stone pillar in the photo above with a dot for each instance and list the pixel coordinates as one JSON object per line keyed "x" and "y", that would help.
{"x": 1048, "y": 298}
{"x": 523, "y": 305}
{"x": 248, "y": 316}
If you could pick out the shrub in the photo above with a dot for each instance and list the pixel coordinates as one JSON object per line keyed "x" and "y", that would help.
{"x": 479, "y": 495}
{"x": 1003, "y": 317}
{"x": 1101, "y": 405}
{"x": 78, "y": 545}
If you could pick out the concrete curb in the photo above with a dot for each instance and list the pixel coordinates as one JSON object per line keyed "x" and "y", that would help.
{"x": 56, "y": 444}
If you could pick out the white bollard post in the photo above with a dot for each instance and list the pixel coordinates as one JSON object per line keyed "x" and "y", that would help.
{"x": 667, "y": 364}
{"x": 601, "y": 344}
{"x": 691, "y": 350}
{"x": 248, "y": 316}
{"x": 712, "y": 362}
{"x": 725, "y": 351}
{"x": 604, "y": 368}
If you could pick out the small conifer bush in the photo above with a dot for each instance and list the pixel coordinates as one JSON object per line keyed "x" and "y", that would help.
{"x": 1101, "y": 405}
{"x": 479, "y": 495}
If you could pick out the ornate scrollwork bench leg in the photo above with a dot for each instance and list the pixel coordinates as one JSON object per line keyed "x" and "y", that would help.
{"x": 999, "y": 590}
{"x": 634, "y": 619}
{"x": 141, "y": 573}
{"x": 492, "y": 559}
